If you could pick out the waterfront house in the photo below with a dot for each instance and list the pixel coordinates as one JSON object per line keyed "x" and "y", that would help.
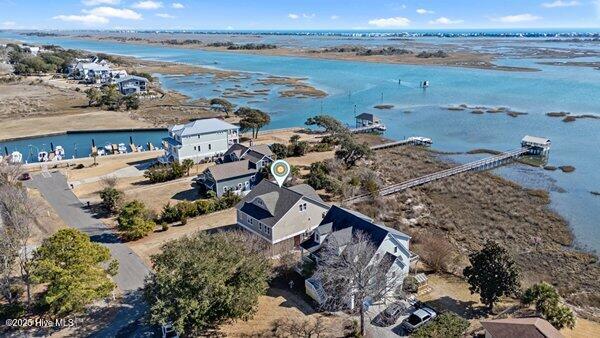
{"x": 533, "y": 327}
{"x": 238, "y": 177}
{"x": 131, "y": 84}
{"x": 338, "y": 228}
{"x": 366, "y": 120}
{"x": 260, "y": 155}
{"x": 283, "y": 217}
{"x": 200, "y": 140}
{"x": 91, "y": 72}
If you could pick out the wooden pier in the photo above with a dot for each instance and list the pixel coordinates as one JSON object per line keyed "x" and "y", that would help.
{"x": 483, "y": 164}
{"x": 369, "y": 129}
{"x": 413, "y": 141}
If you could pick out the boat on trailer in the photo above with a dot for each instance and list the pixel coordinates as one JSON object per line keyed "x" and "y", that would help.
{"x": 16, "y": 157}
{"x": 42, "y": 156}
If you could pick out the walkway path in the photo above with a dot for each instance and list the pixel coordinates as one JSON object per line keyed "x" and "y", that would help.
{"x": 132, "y": 269}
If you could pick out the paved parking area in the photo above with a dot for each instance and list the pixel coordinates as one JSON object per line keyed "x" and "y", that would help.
{"x": 391, "y": 331}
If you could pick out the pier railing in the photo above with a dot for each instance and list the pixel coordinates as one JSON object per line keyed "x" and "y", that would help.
{"x": 482, "y": 164}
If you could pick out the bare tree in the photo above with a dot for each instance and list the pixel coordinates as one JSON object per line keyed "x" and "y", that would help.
{"x": 9, "y": 173}
{"x": 353, "y": 273}
{"x": 297, "y": 328}
{"x": 18, "y": 213}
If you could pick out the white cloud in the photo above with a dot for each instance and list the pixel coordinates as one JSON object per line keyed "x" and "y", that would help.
{"x": 89, "y": 19}
{"x": 334, "y": 17}
{"x": 424, "y": 11}
{"x": 445, "y": 21}
{"x": 560, "y": 3}
{"x": 147, "y": 5}
{"x": 177, "y": 5}
{"x": 100, "y": 2}
{"x": 8, "y": 24}
{"x": 165, "y": 16}
{"x": 308, "y": 16}
{"x": 397, "y": 21}
{"x": 110, "y": 12}
{"x": 293, "y": 16}
{"x": 517, "y": 18}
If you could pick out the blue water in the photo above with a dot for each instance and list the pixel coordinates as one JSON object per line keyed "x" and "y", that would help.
{"x": 358, "y": 86}
{"x": 80, "y": 144}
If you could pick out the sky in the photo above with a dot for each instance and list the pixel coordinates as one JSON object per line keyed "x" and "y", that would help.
{"x": 298, "y": 14}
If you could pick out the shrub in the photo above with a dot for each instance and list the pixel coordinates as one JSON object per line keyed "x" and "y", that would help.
{"x": 317, "y": 177}
{"x": 164, "y": 226}
{"x": 164, "y": 172}
{"x": 548, "y": 303}
{"x": 111, "y": 198}
{"x": 187, "y": 209}
{"x": 205, "y": 206}
{"x": 410, "y": 285}
{"x": 134, "y": 221}
{"x": 170, "y": 214}
{"x": 321, "y": 147}
{"x": 446, "y": 325}
{"x": 280, "y": 150}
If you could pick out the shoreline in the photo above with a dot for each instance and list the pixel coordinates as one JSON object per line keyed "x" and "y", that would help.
{"x": 82, "y": 131}
{"x": 469, "y": 60}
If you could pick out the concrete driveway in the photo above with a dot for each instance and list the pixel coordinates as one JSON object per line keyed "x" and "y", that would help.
{"x": 390, "y": 331}
{"x": 132, "y": 270}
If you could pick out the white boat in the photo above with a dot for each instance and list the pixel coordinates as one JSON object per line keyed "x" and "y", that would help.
{"x": 108, "y": 148}
{"x": 59, "y": 151}
{"x": 101, "y": 152}
{"x": 42, "y": 156}
{"x": 16, "y": 157}
{"x": 122, "y": 148}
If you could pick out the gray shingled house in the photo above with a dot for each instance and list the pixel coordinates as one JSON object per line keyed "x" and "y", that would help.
{"x": 261, "y": 155}
{"x": 239, "y": 173}
{"x": 283, "y": 217}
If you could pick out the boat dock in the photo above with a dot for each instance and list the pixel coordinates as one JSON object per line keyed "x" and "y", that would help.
{"x": 368, "y": 129}
{"x": 483, "y": 164}
{"x": 413, "y": 141}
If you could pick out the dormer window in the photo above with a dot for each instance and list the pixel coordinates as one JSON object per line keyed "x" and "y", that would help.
{"x": 395, "y": 249}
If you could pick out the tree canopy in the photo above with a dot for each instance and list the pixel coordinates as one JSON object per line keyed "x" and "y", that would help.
{"x": 329, "y": 123}
{"x": 134, "y": 221}
{"x": 206, "y": 280}
{"x": 252, "y": 119}
{"x": 72, "y": 267}
{"x": 492, "y": 273}
{"x": 223, "y": 105}
{"x": 548, "y": 303}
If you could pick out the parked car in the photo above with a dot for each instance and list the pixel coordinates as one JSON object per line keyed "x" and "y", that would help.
{"x": 418, "y": 318}
{"x": 390, "y": 315}
{"x": 168, "y": 331}
{"x": 25, "y": 177}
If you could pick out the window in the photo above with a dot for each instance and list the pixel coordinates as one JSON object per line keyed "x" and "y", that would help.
{"x": 302, "y": 206}
{"x": 377, "y": 256}
{"x": 393, "y": 274}
{"x": 239, "y": 186}
{"x": 209, "y": 146}
{"x": 395, "y": 249}
{"x": 224, "y": 189}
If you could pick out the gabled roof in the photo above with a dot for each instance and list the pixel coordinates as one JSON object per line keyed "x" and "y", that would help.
{"x": 533, "y": 327}
{"x": 227, "y": 171}
{"x": 254, "y": 153}
{"x": 535, "y": 139}
{"x": 366, "y": 116}
{"x": 342, "y": 218}
{"x": 202, "y": 127}
{"x": 131, "y": 77}
{"x": 278, "y": 201}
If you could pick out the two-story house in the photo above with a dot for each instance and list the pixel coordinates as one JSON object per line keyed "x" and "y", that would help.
{"x": 239, "y": 173}
{"x": 260, "y": 155}
{"x": 339, "y": 226}
{"x": 200, "y": 140}
{"x": 283, "y": 217}
{"x": 132, "y": 84}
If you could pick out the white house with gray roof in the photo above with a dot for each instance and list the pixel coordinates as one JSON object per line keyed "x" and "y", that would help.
{"x": 283, "y": 217}
{"x": 132, "y": 84}
{"x": 339, "y": 226}
{"x": 200, "y": 140}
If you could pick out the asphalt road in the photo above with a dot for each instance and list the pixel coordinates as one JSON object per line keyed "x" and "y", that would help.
{"x": 132, "y": 270}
